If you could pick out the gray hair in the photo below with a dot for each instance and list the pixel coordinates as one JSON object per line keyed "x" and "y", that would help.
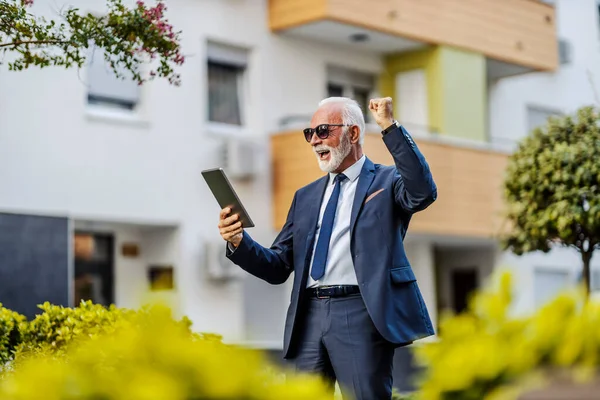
{"x": 351, "y": 114}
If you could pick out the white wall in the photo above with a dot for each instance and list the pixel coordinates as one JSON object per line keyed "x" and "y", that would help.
{"x": 524, "y": 267}
{"x": 57, "y": 156}
{"x": 421, "y": 257}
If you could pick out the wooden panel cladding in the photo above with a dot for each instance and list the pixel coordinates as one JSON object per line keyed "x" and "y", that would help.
{"x": 521, "y": 32}
{"x": 284, "y": 14}
{"x": 469, "y": 183}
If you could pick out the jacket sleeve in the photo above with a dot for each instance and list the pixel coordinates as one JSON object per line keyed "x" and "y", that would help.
{"x": 414, "y": 188}
{"x": 274, "y": 264}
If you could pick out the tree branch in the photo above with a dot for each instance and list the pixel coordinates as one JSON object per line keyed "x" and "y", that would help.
{"x": 36, "y": 42}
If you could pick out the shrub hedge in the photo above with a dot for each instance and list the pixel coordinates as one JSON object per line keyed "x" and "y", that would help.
{"x": 487, "y": 353}
{"x": 93, "y": 352}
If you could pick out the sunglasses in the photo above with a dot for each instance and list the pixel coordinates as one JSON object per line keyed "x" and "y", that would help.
{"x": 322, "y": 131}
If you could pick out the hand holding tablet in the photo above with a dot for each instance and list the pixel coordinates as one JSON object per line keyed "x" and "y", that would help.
{"x": 232, "y": 223}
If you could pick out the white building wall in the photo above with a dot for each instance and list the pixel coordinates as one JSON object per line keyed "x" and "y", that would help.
{"x": 422, "y": 259}
{"x": 59, "y": 157}
{"x": 574, "y": 85}
{"x": 528, "y": 296}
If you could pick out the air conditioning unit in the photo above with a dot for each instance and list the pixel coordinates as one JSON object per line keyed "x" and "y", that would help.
{"x": 564, "y": 51}
{"x": 218, "y": 266}
{"x": 239, "y": 158}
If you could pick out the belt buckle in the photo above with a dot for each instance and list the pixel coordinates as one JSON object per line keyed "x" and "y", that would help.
{"x": 319, "y": 296}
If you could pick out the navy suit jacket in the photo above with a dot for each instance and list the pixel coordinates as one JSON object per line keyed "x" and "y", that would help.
{"x": 386, "y": 197}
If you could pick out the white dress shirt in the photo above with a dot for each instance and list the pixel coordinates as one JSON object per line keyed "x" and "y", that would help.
{"x": 339, "y": 269}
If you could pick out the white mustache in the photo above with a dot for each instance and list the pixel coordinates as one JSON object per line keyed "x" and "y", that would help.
{"x": 322, "y": 147}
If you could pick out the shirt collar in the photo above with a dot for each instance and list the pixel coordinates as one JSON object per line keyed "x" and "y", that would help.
{"x": 352, "y": 172}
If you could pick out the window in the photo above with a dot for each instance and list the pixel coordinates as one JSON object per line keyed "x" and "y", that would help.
{"x": 334, "y": 90}
{"x": 411, "y": 105}
{"x": 356, "y": 85}
{"x": 226, "y": 68}
{"x": 537, "y": 116}
{"x": 548, "y": 284}
{"x": 565, "y": 51}
{"x": 106, "y": 90}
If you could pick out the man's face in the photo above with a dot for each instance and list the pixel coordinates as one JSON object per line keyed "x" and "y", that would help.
{"x": 331, "y": 151}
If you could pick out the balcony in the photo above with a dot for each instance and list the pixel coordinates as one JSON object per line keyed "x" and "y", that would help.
{"x": 516, "y": 36}
{"x": 469, "y": 183}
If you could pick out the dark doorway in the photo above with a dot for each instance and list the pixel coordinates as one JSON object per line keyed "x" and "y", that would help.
{"x": 94, "y": 271}
{"x": 464, "y": 283}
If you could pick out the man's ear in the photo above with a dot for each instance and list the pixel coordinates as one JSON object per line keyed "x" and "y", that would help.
{"x": 354, "y": 134}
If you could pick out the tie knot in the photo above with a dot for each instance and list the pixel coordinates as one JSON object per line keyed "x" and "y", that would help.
{"x": 340, "y": 178}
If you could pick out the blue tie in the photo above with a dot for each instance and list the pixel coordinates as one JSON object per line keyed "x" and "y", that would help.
{"x": 318, "y": 267}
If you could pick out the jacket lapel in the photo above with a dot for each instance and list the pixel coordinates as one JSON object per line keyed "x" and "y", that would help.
{"x": 367, "y": 174}
{"x": 312, "y": 217}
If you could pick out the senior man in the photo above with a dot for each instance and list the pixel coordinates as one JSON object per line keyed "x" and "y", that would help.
{"x": 355, "y": 298}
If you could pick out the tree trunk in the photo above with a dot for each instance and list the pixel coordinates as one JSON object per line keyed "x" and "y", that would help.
{"x": 587, "y": 257}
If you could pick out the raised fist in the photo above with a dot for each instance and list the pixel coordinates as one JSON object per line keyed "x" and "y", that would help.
{"x": 383, "y": 111}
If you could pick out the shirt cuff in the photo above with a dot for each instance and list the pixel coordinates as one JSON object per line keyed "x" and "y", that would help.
{"x": 231, "y": 248}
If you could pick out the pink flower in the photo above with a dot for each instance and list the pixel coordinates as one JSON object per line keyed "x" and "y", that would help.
{"x": 27, "y": 3}
{"x": 179, "y": 59}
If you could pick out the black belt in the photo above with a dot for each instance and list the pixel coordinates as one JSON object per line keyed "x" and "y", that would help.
{"x": 324, "y": 292}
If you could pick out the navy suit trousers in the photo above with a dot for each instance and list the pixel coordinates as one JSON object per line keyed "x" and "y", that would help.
{"x": 338, "y": 341}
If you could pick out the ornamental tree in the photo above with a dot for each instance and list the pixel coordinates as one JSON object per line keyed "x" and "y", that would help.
{"x": 131, "y": 39}
{"x": 552, "y": 188}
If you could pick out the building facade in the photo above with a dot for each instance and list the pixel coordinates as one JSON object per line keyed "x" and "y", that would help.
{"x": 519, "y": 104}
{"x": 101, "y": 192}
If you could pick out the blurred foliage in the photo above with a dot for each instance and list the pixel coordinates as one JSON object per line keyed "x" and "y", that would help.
{"x": 92, "y": 352}
{"x": 485, "y": 354}
{"x": 129, "y": 38}
{"x": 57, "y": 326}
{"x": 10, "y": 336}
{"x": 396, "y": 395}
{"x": 552, "y": 187}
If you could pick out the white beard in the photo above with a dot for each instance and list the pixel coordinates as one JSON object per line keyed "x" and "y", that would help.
{"x": 336, "y": 154}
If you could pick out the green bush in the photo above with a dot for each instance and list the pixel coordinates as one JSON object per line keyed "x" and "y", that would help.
{"x": 57, "y": 326}
{"x": 141, "y": 355}
{"x": 10, "y": 335}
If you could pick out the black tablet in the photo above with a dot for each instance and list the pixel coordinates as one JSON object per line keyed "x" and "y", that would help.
{"x": 226, "y": 197}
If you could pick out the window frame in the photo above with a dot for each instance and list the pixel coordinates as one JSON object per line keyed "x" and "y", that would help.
{"x": 238, "y": 57}
{"x": 350, "y": 80}
{"x": 551, "y": 111}
{"x": 546, "y": 269}
{"x": 110, "y": 103}
{"x": 240, "y": 80}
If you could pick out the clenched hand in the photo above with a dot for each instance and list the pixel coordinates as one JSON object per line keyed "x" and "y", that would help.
{"x": 382, "y": 111}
